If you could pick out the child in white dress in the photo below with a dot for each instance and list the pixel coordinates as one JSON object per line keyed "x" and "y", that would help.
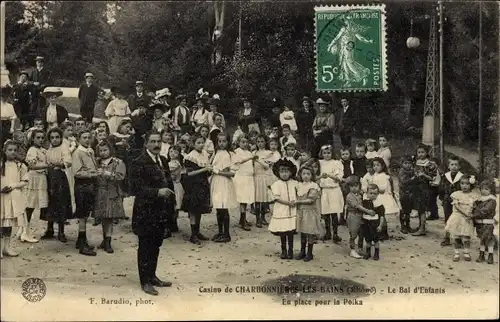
{"x": 460, "y": 225}
{"x": 284, "y": 193}
{"x": 288, "y": 117}
{"x": 116, "y": 111}
{"x": 371, "y": 151}
{"x": 243, "y": 178}
{"x": 332, "y": 200}
{"x": 384, "y": 151}
{"x": 37, "y": 196}
{"x": 263, "y": 179}
{"x": 386, "y": 192}
{"x": 222, "y": 188}
{"x": 13, "y": 178}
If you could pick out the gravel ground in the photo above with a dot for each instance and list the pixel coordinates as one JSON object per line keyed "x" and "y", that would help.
{"x": 251, "y": 259}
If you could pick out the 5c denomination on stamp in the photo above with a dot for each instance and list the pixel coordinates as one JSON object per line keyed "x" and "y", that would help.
{"x": 350, "y": 48}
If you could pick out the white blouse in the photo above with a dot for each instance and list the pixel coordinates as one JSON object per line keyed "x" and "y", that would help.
{"x": 246, "y": 168}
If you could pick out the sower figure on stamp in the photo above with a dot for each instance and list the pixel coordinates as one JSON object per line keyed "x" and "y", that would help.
{"x": 154, "y": 203}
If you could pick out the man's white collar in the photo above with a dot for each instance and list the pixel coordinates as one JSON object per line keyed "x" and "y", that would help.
{"x": 84, "y": 149}
{"x": 457, "y": 178}
{"x": 152, "y": 155}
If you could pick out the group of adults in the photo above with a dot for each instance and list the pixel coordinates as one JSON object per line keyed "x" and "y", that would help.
{"x": 28, "y": 100}
{"x": 315, "y": 126}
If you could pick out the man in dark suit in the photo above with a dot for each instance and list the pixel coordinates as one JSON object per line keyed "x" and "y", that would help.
{"x": 139, "y": 98}
{"x": 154, "y": 203}
{"x": 305, "y": 119}
{"x": 347, "y": 122}
{"x": 40, "y": 77}
{"x": 23, "y": 96}
{"x": 88, "y": 95}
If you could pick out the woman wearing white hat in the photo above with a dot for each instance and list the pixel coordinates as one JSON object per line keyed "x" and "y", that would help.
{"x": 53, "y": 114}
{"x": 323, "y": 125}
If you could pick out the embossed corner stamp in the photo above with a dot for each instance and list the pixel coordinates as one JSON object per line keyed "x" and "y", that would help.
{"x": 350, "y": 48}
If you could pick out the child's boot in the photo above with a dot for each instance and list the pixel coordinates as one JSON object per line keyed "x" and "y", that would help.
{"x": 402, "y": 221}
{"x": 302, "y": 253}
{"x": 26, "y": 236}
{"x": 107, "y": 245}
{"x": 421, "y": 227}
{"x": 309, "y": 255}
{"x": 200, "y": 235}
{"x": 376, "y": 255}
{"x": 60, "y": 233}
{"x": 284, "y": 254}
{"x": 7, "y": 250}
{"x": 243, "y": 222}
{"x": 49, "y": 233}
{"x": 335, "y": 227}
{"x": 175, "y": 225}
{"x": 194, "y": 236}
{"x": 490, "y": 258}
{"x": 446, "y": 240}
{"x": 368, "y": 252}
{"x": 480, "y": 259}
{"x": 101, "y": 246}
{"x": 290, "y": 246}
{"x": 226, "y": 236}
{"x": 258, "y": 220}
{"x": 328, "y": 228}
{"x": 342, "y": 220}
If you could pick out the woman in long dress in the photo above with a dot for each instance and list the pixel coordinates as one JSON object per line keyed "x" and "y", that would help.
{"x": 117, "y": 110}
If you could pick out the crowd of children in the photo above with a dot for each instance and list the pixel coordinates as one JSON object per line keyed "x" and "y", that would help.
{"x": 77, "y": 170}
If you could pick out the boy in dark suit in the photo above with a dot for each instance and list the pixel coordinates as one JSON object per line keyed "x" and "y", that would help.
{"x": 88, "y": 95}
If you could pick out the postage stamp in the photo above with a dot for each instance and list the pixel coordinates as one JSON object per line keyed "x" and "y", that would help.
{"x": 350, "y": 48}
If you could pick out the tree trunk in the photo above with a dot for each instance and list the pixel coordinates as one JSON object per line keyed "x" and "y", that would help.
{"x": 219, "y": 10}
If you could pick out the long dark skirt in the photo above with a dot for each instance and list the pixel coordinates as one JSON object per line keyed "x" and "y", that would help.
{"x": 196, "y": 191}
{"x": 59, "y": 208}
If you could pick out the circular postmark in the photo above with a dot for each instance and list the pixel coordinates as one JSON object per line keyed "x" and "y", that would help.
{"x": 33, "y": 289}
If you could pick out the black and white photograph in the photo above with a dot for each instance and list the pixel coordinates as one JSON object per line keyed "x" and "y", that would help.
{"x": 249, "y": 160}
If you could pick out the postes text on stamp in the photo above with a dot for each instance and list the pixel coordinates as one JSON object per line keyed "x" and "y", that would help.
{"x": 350, "y": 48}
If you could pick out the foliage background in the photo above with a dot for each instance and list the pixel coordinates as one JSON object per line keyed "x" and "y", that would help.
{"x": 170, "y": 44}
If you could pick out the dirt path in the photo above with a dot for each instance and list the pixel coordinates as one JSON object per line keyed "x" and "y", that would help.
{"x": 251, "y": 259}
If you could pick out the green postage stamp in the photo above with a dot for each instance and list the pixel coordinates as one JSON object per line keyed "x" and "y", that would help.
{"x": 350, "y": 48}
